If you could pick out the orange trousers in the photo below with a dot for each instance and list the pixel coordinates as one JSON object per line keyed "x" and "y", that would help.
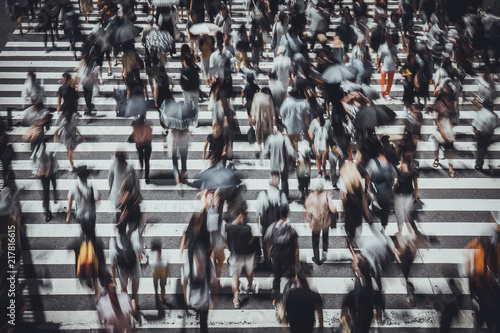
{"x": 390, "y": 79}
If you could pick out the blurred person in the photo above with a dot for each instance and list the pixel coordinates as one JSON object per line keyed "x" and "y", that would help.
{"x": 405, "y": 192}
{"x": 278, "y": 31}
{"x": 142, "y": 135}
{"x": 282, "y": 244}
{"x": 68, "y": 134}
{"x": 131, "y": 217}
{"x": 484, "y": 124}
{"x": 46, "y": 168}
{"x": 86, "y": 7}
{"x": 87, "y": 78}
{"x": 303, "y": 167}
{"x": 67, "y": 96}
{"x": 282, "y": 66}
{"x": 206, "y": 44}
{"x": 114, "y": 310}
{"x": 257, "y": 43}
{"x": 216, "y": 145}
{"x": 280, "y": 149}
{"x": 320, "y": 211}
{"x": 83, "y": 196}
{"x": 242, "y": 44}
{"x": 269, "y": 205}
{"x": 387, "y": 63}
{"x": 295, "y": 115}
{"x": 491, "y": 24}
{"x": 179, "y": 145}
{"x": 125, "y": 257}
{"x": 408, "y": 71}
{"x": 380, "y": 175}
{"x": 161, "y": 271}
{"x": 33, "y": 91}
{"x": 262, "y": 115}
{"x": 278, "y": 94}
{"x": 248, "y": 93}
{"x": 118, "y": 171}
{"x": 318, "y": 132}
{"x": 301, "y": 305}
{"x": 190, "y": 82}
{"x": 224, "y": 20}
{"x": 242, "y": 245}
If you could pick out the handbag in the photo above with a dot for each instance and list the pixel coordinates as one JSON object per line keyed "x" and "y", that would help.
{"x": 212, "y": 216}
{"x": 251, "y": 136}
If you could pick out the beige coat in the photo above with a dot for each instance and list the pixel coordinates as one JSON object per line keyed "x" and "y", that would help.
{"x": 318, "y": 205}
{"x": 262, "y": 116}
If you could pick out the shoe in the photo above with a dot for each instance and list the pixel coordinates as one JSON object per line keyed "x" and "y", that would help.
{"x": 316, "y": 261}
{"x": 436, "y": 163}
{"x": 237, "y": 304}
{"x": 110, "y": 73}
{"x": 252, "y": 289}
{"x": 55, "y": 201}
{"x": 323, "y": 256}
{"x": 48, "y": 217}
{"x": 147, "y": 181}
{"x": 478, "y": 167}
{"x": 387, "y": 97}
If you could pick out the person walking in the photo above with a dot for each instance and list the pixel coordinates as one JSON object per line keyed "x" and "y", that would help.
{"x": 242, "y": 245}
{"x": 262, "y": 114}
{"x": 118, "y": 171}
{"x": 320, "y": 208}
{"x": 68, "y": 135}
{"x": 405, "y": 192}
{"x": 84, "y": 198}
{"x": 387, "y": 63}
{"x": 67, "y": 96}
{"x": 46, "y": 169}
{"x": 180, "y": 146}
{"x": 280, "y": 149}
{"x": 484, "y": 125}
{"x": 142, "y": 135}
{"x": 282, "y": 244}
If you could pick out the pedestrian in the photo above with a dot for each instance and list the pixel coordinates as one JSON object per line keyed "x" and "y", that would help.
{"x": 282, "y": 66}
{"x": 242, "y": 44}
{"x": 71, "y": 24}
{"x": 303, "y": 167}
{"x": 380, "y": 175}
{"x": 256, "y": 43}
{"x": 278, "y": 32}
{"x": 353, "y": 196}
{"x": 114, "y": 310}
{"x": 318, "y": 132}
{"x": 282, "y": 244}
{"x": 491, "y": 25}
{"x": 280, "y": 150}
{"x": 83, "y": 196}
{"x": 242, "y": 245}
{"x": 118, "y": 171}
{"x": 484, "y": 125}
{"x": 320, "y": 211}
{"x": 408, "y": 71}
{"x": 161, "y": 272}
{"x": 68, "y": 135}
{"x": 142, "y": 135}
{"x": 67, "y": 96}
{"x": 87, "y": 78}
{"x": 179, "y": 145}
{"x": 405, "y": 192}
{"x": 387, "y": 63}
{"x": 190, "y": 83}
{"x": 197, "y": 271}
{"x": 125, "y": 257}
{"x": 295, "y": 115}
{"x": 21, "y": 9}
{"x": 269, "y": 211}
{"x": 248, "y": 93}
{"x": 301, "y": 306}
{"x": 33, "y": 92}
{"x": 46, "y": 169}
{"x": 207, "y": 46}
{"x": 262, "y": 114}
{"x": 224, "y": 20}
{"x": 86, "y": 7}
{"x": 216, "y": 145}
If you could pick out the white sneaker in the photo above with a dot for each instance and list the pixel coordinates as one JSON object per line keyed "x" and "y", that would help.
{"x": 387, "y": 97}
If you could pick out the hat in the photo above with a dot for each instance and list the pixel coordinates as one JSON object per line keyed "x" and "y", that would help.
{"x": 149, "y": 19}
{"x": 322, "y": 38}
{"x": 281, "y": 49}
{"x": 82, "y": 171}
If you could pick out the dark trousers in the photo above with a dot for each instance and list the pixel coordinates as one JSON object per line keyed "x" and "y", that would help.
{"x": 281, "y": 267}
{"x": 483, "y": 142}
{"x": 45, "y": 36}
{"x": 175, "y": 159}
{"x": 87, "y": 94}
{"x": 304, "y": 184}
{"x": 315, "y": 243}
{"x": 203, "y": 321}
{"x": 144, "y": 151}
{"x": 385, "y": 208}
{"x": 46, "y": 191}
{"x": 284, "y": 180}
{"x": 491, "y": 44}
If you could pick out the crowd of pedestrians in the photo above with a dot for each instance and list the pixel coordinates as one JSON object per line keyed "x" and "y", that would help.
{"x": 317, "y": 106}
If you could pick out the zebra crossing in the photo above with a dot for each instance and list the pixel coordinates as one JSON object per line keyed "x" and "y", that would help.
{"x": 454, "y": 210}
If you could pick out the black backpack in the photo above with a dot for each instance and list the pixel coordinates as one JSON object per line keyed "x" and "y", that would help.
{"x": 283, "y": 241}
{"x": 272, "y": 213}
{"x": 190, "y": 79}
{"x": 382, "y": 180}
{"x": 126, "y": 258}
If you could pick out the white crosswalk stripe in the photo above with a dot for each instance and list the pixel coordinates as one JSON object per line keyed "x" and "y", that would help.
{"x": 454, "y": 211}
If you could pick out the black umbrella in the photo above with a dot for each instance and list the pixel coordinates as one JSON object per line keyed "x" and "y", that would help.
{"x": 124, "y": 33}
{"x": 337, "y": 74}
{"x": 177, "y": 115}
{"x": 371, "y": 116}
{"x": 219, "y": 178}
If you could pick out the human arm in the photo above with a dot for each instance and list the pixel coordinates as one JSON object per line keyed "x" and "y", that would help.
{"x": 319, "y": 310}
{"x": 58, "y": 103}
{"x": 205, "y": 149}
{"x": 415, "y": 186}
{"x": 70, "y": 203}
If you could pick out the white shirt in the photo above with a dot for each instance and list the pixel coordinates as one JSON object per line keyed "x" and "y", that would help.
{"x": 281, "y": 66}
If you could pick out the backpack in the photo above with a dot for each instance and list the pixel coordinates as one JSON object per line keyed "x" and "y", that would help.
{"x": 382, "y": 180}
{"x": 190, "y": 79}
{"x": 257, "y": 40}
{"x": 87, "y": 264}
{"x": 126, "y": 258}
{"x": 272, "y": 213}
{"x": 282, "y": 242}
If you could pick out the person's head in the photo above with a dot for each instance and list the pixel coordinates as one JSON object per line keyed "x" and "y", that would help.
{"x": 282, "y": 17}
{"x": 219, "y": 37}
{"x": 394, "y": 16}
{"x": 223, "y": 10}
{"x": 273, "y": 76}
{"x": 385, "y": 139}
{"x": 318, "y": 185}
{"x": 66, "y": 78}
{"x": 251, "y": 78}
{"x": 284, "y": 211}
{"x": 82, "y": 173}
{"x": 156, "y": 246}
{"x": 32, "y": 76}
{"x": 121, "y": 156}
{"x": 266, "y": 91}
{"x": 217, "y": 130}
{"x": 242, "y": 29}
